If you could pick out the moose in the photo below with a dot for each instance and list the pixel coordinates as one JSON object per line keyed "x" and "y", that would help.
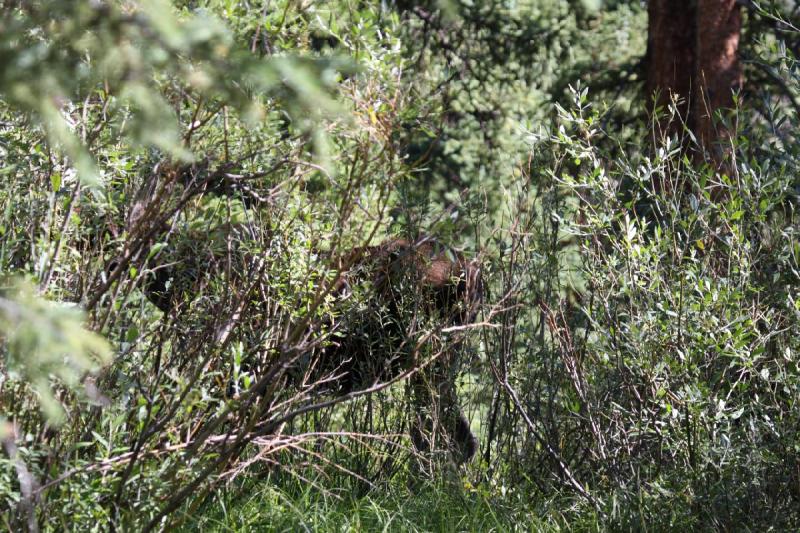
{"x": 400, "y": 282}
{"x": 441, "y": 284}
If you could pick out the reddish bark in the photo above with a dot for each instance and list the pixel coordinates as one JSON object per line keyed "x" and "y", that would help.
{"x": 718, "y": 73}
{"x": 692, "y": 52}
{"x": 670, "y": 53}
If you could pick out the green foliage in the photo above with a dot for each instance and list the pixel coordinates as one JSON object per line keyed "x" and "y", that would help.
{"x": 43, "y": 340}
{"x": 635, "y": 362}
{"x": 430, "y": 508}
{"x": 673, "y": 369}
{"x": 490, "y": 70}
{"x": 125, "y": 63}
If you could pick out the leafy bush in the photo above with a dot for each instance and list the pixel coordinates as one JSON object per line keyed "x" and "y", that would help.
{"x": 190, "y": 175}
{"x": 657, "y": 381}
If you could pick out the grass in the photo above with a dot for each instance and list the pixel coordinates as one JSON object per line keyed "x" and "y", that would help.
{"x": 264, "y": 506}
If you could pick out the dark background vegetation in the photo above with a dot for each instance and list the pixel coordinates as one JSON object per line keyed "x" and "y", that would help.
{"x": 625, "y": 174}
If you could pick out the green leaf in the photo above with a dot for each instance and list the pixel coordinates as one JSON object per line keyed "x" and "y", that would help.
{"x": 55, "y": 181}
{"x": 46, "y": 340}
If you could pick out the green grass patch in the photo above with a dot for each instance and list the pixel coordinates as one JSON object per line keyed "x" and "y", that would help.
{"x": 303, "y": 507}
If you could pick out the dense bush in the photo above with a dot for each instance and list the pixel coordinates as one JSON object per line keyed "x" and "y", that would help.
{"x": 634, "y": 362}
{"x": 654, "y": 359}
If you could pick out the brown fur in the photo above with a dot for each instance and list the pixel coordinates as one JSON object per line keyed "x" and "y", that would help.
{"x": 373, "y": 346}
{"x": 447, "y": 285}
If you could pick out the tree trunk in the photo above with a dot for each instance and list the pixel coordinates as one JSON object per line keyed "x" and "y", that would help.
{"x": 717, "y": 73}
{"x": 692, "y": 53}
{"x": 670, "y": 56}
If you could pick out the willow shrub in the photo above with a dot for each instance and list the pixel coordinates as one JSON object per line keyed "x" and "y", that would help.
{"x": 149, "y": 136}
{"x": 652, "y": 364}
